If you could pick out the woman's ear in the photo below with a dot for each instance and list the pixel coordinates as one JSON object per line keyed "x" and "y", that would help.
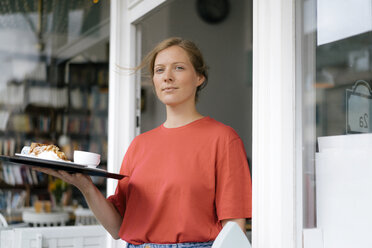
{"x": 201, "y": 80}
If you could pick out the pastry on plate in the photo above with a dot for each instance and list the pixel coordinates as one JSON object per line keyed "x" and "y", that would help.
{"x": 46, "y": 151}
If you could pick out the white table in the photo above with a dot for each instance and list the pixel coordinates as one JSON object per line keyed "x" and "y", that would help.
{"x": 45, "y": 219}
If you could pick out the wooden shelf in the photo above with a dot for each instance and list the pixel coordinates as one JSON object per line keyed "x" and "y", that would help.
{"x": 5, "y": 186}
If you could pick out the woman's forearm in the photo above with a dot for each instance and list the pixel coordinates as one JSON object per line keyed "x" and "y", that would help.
{"x": 104, "y": 211}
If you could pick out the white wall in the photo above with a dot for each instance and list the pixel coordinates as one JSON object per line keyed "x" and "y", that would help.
{"x": 227, "y": 50}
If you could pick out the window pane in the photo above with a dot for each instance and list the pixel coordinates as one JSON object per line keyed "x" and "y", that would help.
{"x": 53, "y": 89}
{"x": 336, "y": 113}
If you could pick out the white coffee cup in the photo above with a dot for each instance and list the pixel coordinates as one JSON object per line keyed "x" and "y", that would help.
{"x": 90, "y": 159}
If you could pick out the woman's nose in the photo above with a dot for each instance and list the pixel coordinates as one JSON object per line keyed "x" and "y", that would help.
{"x": 168, "y": 75}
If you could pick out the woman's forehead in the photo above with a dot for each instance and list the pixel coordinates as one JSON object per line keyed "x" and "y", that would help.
{"x": 173, "y": 54}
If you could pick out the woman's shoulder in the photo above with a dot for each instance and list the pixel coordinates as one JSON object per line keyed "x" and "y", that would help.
{"x": 220, "y": 129}
{"x": 147, "y": 135}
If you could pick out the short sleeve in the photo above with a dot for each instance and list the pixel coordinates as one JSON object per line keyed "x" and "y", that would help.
{"x": 233, "y": 182}
{"x": 119, "y": 198}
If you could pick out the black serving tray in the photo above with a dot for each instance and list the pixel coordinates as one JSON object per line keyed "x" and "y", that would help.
{"x": 59, "y": 165}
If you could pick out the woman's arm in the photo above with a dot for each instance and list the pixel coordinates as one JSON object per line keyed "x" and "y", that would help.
{"x": 240, "y": 222}
{"x": 104, "y": 211}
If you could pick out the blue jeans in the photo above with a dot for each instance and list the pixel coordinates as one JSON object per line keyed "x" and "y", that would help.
{"x": 179, "y": 245}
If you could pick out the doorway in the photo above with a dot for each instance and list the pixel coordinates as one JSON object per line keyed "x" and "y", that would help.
{"x": 136, "y": 27}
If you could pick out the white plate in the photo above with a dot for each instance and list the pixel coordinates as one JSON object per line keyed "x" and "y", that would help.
{"x": 54, "y": 160}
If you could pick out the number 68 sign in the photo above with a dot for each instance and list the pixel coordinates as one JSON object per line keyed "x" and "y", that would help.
{"x": 359, "y": 108}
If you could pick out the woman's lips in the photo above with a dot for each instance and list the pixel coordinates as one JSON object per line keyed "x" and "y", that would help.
{"x": 169, "y": 89}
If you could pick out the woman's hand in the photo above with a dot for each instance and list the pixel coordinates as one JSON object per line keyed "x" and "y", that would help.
{"x": 80, "y": 181}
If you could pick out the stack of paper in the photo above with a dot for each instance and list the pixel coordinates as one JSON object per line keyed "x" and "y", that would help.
{"x": 54, "y": 97}
{"x": 344, "y": 190}
{"x": 13, "y": 95}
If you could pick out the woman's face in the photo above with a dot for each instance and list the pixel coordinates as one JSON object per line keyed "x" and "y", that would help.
{"x": 175, "y": 78}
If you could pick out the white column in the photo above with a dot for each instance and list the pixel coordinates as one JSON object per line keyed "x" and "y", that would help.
{"x": 275, "y": 219}
{"x": 122, "y": 93}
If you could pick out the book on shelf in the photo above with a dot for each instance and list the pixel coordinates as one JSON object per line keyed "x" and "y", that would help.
{"x": 20, "y": 123}
{"x": 76, "y": 98}
{"x": 16, "y": 170}
{"x": 18, "y": 199}
{"x": 85, "y": 125}
{"x": 102, "y": 76}
{"x": 11, "y": 200}
{"x": 4, "y": 117}
{"x": 99, "y": 126}
{"x": 47, "y": 96}
{"x": 59, "y": 123}
{"x": 14, "y": 95}
{"x": 20, "y": 175}
{"x": 99, "y": 100}
{"x": 39, "y": 73}
{"x": 44, "y": 123}
{"x": 7, "y": 146}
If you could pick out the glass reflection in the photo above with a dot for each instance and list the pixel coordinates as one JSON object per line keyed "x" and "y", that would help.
{"x": 336, "y": 60}
{"x": 53, "y": 85}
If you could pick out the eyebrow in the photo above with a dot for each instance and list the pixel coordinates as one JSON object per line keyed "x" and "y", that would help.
{"x": 172, "y": 63}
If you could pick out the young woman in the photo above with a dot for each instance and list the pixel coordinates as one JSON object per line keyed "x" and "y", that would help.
{"x": 187, "y": 177}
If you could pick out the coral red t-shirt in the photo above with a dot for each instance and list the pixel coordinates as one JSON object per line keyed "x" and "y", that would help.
{"x": 182, "y": 182}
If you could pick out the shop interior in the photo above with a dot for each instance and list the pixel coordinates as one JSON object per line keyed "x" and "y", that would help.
{"x": 55, "y": 87}
{"x": 53, "y": 90}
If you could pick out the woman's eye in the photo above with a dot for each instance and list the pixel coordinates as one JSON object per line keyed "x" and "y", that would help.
{"x": 159, "y": 70}
{"x": 179, "y": 68}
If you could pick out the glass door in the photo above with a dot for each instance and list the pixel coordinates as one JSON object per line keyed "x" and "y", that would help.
{"x": 336, "y": 101}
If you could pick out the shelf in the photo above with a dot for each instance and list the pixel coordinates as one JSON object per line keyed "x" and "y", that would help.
{"x": 18, "y": 109}
{"x": 79, "y": 112}
{"x": 53, "y": 108}
{"x": 85, "y": 112}
{"x": 88, "y": 86}
{"x": 42, "y": 83}
{"x": 90, "y": 137}
{"x": 28, "y": 134}
{"x": 32, "y": 107}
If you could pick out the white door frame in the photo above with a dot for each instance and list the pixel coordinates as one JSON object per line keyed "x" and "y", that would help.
{"x": 277, "y": 216}
{"x": 123, "y": 85}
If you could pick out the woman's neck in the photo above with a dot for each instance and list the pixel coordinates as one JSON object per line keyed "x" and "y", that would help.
{"x": 178, "y": 116}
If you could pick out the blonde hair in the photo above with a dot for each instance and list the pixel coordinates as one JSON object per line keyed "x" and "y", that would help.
{"x": 195, "y": 56}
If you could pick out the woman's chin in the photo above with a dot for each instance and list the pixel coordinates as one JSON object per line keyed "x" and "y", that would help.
{"x": 170, "y": 101}
{"x": 173, "y": 100}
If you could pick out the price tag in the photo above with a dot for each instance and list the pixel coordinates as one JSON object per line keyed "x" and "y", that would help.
{"x": 358, "y": 108}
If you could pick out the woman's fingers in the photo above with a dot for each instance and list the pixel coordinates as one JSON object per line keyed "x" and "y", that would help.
{"x": 77, "y": 179}
{"x": 70, "y": 178}
{"x": 47, "y": 171}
